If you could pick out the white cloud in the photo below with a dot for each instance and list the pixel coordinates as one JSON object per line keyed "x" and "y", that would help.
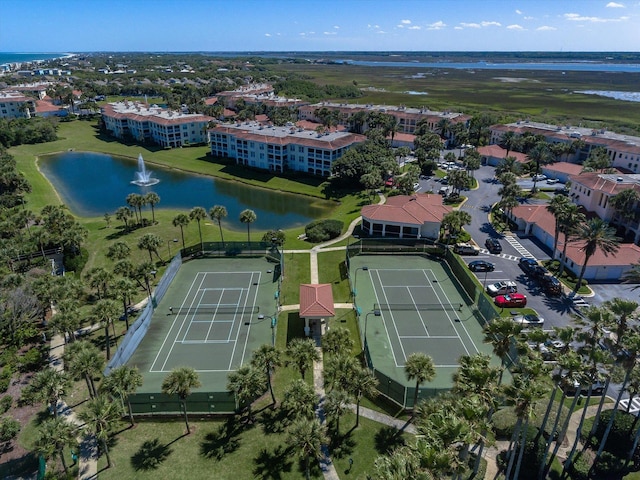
{"x": 470, "y": 25}
{"x": 406, "y": 22}
{"x": 337, "y": 27}
{"x": 373, "y": 26}
{"x": 302, "y": 34}
{"x": 518, "y": 12}
{"x": 576, "y": 17}
{"x": 514, "y": 27}
{"x": 458, "y": 28}
{"x": 400, "y": 26}
{"x": 545, "y": 28}
{"x": 491, "y": 24}
{"x": 439, "y": 25}
{"x": 381, "y": 32}
{"x": 415, "y": 27}
{"x": 529, "y": 18}
{"x": 330, "y": 33}
{"x": 267, "y": 34}
{"x": 614, "y": 5}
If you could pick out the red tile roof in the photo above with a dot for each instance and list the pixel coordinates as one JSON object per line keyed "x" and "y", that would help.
{"x": 564, "y": 167}
{"x": 408, "y": 209}
{"x": 603, "y": 183}
{"x": 211, "y": 100}
{"x": 496, "y": 151}
{"x": 316, "y": 300}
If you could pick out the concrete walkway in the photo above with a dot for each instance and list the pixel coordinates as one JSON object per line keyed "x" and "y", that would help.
{"x": 88, "y": 455}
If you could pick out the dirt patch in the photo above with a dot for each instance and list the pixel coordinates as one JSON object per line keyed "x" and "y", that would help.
{"x": 15, "y": 458}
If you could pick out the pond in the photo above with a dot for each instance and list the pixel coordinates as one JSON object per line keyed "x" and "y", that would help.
{"x": 92, "y": 184}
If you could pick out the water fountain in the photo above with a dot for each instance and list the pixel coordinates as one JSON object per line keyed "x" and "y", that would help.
{"x": 143, "y": 176}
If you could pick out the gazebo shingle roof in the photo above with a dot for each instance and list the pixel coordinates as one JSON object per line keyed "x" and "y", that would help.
{"x": 316, "y": 300}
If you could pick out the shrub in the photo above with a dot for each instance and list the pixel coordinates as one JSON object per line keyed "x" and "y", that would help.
{"x": 9, "y": 429}
{"x": 76, "y": 263}
{"x": 621, "y": 437}
{"x": 32, "y": 360}
{"x": 503, "y": 422}
{"x": 580, "y": 468}
{"x": 322, "y": 230}
{"x": 609, "y": 465}
{"x": 5, "y": 377}
{"x": 5, "y": 403}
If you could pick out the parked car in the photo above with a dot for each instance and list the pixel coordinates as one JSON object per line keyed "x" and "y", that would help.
{"x": 481, "y": 266}
{"x": 539, "y": 178}
{"x": 493, "y": 245}
{"x": 465, "y": 249}
{"x": 416, "y": 186}
{"x": 529, "y": 319}
{"x": 539, "y": 272}
{"x": 502, "y": 288}
{"x": 551, "y": 285}
{"x": 527, "y": 265}
{"x": 571, "y": 388}
{"x": 513, "y": 300}
{"x": 552, "y": 181}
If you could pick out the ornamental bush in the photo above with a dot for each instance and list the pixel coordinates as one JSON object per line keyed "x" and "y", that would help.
{"x": 323, "y": 230}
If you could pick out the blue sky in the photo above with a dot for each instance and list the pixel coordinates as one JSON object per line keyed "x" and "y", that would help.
{"x": 310, "y": 25}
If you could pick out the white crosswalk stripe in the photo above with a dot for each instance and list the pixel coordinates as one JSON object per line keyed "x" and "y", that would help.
{"x": 635, "y": 405}
{"x": 511, "y": 240}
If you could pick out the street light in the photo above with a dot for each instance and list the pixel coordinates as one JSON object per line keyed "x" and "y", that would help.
{"x": 175, "y": 240}
{"x": 355, "y": 279}
{"x": 366, "y": 321}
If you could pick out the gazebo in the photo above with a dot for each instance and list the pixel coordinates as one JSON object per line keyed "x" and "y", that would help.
{"x": 316, "y": 305}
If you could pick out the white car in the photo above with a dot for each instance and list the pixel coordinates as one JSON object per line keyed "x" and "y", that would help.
{"x": 552, "y": 181}
{"x": 416, "y": 186}
{"x": 539, "y": 178}
{"x": 502, "y": 288}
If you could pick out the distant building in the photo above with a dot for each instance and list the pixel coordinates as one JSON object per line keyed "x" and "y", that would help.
{"x": 281, "y": 148}
{"x": 623, "y": 150}
{"x": 150, "y": 123}
{"x": 15, "y": 104}
{"x": 493, "y": 155}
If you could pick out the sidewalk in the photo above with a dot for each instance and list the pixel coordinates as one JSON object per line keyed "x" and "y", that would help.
{"x": 88, "y": 458}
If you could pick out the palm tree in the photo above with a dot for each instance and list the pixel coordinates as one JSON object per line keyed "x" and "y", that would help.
{"x": 336, "y": 404}
{"x": 48, "y": 385}
{"x": 267, "y": 358}
{"x": 134, "y": 201}
{"x": 419, "y": 367}
{"x": 596, "y": 235}
{"x": 299, "y": 400}
{"x": 150, "y": 242}
{"x": 556, "y": 207}
{"x": 181, "y": 220}
{"x": 105, "y": 311}
{"x": 541, "y": 154}
{"x": 198, "y": 214}
{"x": 100, "y": 415}
{"x": 454, "y": 221}
{"x": 247, "y": 383}
{"x": 510, "y": 141}
{"x": 502, "y": 333}
{"x": 152, "y": 199}
{"x": 248, "y": 216}
{"x": 363, "y": 383}
{"x": 307, "y": 436}
{"x": 124, "y": 289}
{"x": 339, "y": 370}
{"x": 632, "y": 276}
{"x": 118, "y": 251}
{"x": 123, "y": 381}
{"x": 124, "y": 214}
{"x": 625, "y": 203}
{"x": 83, "y": 360}
{"x": 336, "y": 341}
{"x": 217, "y": 213}
{"x": 53, "y": 436}
{"x": 571, "y": 219}
{"x": 179, "y": 382}
{"x": 302, "y": 353}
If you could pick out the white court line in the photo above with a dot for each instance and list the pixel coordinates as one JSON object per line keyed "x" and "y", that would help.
{"x": 459, "y": 323}
{"x": 430, "y": 336}
{"x": 235, "y": 342}
{"x": 392, "y": 320}
{"x": 174, "y": 321}
{"x": 419, "y": 314}
{"x": 193, "y": 316}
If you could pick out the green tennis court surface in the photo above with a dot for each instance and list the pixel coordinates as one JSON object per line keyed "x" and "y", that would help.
{"x": 214, "y": 314}
{"x": 411, "y": 303}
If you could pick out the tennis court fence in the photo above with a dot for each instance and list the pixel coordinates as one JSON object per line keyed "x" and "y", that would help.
{"x": 139, "y": 328}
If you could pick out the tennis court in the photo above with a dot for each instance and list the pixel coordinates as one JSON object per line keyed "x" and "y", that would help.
{"x": 216, "y": 312}
{"x": 413, "y": 303}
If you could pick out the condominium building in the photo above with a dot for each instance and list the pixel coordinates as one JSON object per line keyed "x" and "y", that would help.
{"x": 281, "y": 148}
{"x": 151, "y": 123}
{"x": 407, "y": 117}
{"x": 623, "y": 150}
{"x": 14, "y": 104}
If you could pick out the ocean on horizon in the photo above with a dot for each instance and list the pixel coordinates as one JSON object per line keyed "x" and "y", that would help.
{"x": 8, "y": 57}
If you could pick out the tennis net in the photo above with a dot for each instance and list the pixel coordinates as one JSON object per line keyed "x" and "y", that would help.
{"x": 416, "y": 307}
{"x": 213, "y": 310}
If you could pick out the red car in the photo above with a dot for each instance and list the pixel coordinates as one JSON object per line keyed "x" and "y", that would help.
{"x": 511, "y": 300}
